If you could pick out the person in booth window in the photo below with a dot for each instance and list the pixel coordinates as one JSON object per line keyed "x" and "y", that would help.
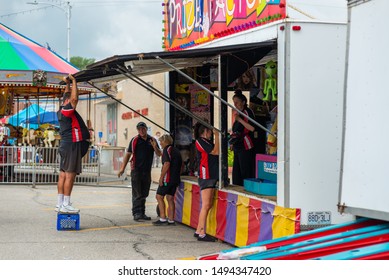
{"x": 73, "y": 146}
{"x": 241, "y": 141}
{"x": 208, "y": 159}
{"x": 140, "y": 152}
{"x": 168, "y": 180}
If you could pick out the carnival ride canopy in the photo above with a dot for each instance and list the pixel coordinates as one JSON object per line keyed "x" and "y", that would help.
{"x": 29, "y": 69}
{"x": 17, "y": 52}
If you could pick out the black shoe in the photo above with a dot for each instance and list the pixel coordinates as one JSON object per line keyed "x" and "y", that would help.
{"x": 137, "y": 217}
{"x": 171, "y": 223}
{"x": 206, "y": 238}
{"x": 144, "y": 217}
{"x": 160, "y": 223}
{"x": 196, "y": 235}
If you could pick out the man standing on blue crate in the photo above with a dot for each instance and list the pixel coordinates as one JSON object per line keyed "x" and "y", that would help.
{"x": 73, "y": 146}
{"x": 140, "y": 153}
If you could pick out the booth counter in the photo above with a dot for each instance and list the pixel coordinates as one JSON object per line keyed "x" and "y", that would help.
{"x": 236, "y": 218}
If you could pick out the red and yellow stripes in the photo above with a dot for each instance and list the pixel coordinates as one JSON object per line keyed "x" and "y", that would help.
{"x": 236, "y": 218}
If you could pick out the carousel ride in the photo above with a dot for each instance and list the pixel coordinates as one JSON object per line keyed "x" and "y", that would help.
{"x": 29, "y": 76}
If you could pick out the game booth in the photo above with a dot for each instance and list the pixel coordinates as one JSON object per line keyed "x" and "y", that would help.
{"x": 264, "y": 48}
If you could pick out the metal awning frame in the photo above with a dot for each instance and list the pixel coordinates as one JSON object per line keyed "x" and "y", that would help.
{"x": 149, "y": 87}
{"x": 128, "y": 107}
{"x": 217, "y": 97}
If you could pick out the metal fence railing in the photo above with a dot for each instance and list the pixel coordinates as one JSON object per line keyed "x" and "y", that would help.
{"x": 40, "y": 165}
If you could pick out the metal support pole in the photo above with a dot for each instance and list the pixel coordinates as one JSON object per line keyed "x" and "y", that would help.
{"x": 68, "y": 15}
{"x": 142, "y": 83}
{"x": 117, "y": 100}
{"x": 211, "y": 93}
{"x": 222, "y": 78}
{"x": 68, "y": 19}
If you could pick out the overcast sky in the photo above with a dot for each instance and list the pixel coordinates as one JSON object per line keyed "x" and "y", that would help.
{"x": 99, "y": 29}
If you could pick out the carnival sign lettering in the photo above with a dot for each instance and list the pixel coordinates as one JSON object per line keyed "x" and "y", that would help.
{"x": 187, "y": 20}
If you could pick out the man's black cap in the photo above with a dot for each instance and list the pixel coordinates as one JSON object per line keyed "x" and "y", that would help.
{"x": 141, "y": 124}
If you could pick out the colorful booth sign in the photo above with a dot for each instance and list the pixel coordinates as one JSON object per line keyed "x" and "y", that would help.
{"x": 192, "y": 22}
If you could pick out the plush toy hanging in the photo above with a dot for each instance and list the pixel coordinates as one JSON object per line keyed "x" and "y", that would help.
{"x": 270, "y": 86}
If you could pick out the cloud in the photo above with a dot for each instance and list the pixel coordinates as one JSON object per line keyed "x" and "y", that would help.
{"x": 97, "y": 31}
{"x": 129, "y": 32}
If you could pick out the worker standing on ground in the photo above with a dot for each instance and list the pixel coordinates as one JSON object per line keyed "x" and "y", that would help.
{"x": 168, "y": 180}
{"x": 140, "y": 153}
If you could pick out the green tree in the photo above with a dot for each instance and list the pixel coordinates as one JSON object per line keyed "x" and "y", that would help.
{"x": 81, "y": 62}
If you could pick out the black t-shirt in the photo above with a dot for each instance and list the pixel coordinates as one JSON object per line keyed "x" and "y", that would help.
{"x": 172, "y": 154}
{"x": 72, "y": 126}
{"x": 208, "y": 164}
{"x": 142, "y": 153}
{"x": 245, "y": 136}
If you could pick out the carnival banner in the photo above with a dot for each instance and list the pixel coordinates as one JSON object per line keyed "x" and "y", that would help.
{"x": 192, "y": 22}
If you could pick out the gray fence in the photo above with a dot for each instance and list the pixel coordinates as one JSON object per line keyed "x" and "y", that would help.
{"x": 40, "y": 165}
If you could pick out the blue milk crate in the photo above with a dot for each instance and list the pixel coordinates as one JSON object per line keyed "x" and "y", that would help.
{"x": 260, "y": 186}
{"x": 68, "y": 221}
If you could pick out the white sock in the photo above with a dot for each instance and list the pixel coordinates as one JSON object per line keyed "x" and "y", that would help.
{"x": 162, "y": 220}
{"x": 66, "y": 200}
{"x": 170, "y": 221}
{"x": 60, "y": 199}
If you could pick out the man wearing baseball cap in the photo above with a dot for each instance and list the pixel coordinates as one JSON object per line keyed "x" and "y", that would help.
{"x": 140, "y": 153}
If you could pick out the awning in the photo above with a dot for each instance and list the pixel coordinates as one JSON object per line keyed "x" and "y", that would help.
{"x": 143, "y": 64}
{"x": 239, "y": 59}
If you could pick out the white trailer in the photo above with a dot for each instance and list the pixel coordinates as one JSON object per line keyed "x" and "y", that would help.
{"x": 364, "y": 187}
{"x": 311, "y": 63}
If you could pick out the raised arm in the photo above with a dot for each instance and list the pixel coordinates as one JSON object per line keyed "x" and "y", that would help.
{"x": 215, "y": 150}
{"x": 74, "y": 92}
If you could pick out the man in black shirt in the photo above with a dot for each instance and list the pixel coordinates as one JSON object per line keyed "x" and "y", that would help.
{"x": 140, "y": 153}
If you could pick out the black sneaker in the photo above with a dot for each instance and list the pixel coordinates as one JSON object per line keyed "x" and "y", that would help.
{"x": 196, "y": 235}
{"x": 171, "y": 223}
{"x": 144, "y": 217}
{"x": 206, "y": 238}
{"x": 160, "y": 223}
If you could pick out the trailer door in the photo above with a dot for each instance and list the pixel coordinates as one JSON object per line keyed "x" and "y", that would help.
{"x": 364, "y": 182}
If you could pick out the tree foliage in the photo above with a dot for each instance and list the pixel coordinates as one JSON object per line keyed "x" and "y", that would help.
{"x": 81, "y": 62}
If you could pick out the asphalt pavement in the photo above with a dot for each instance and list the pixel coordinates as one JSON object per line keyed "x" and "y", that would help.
{"x": 28, "y": 227}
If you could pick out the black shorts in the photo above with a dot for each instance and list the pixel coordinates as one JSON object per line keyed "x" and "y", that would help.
{"x": 167, "y": 189}
{"x": 208, "y": 184}
{"x": 71, "y": 154}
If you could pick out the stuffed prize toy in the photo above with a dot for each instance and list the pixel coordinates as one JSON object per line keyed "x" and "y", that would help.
{"x": 270, "y": 86}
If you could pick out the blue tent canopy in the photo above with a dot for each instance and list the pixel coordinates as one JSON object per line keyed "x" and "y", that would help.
{"x": 19, "y": 118}
{"x": 43, "y": 117}
{"x": 33, "y": 116}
